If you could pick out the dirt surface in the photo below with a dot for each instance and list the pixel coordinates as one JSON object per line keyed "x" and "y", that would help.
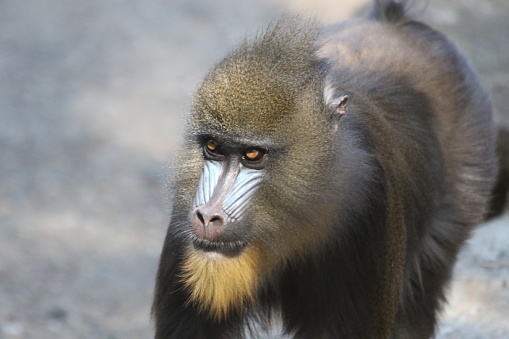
{"x": 91, "y": 101}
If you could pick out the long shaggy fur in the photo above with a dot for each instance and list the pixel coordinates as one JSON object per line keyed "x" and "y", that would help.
{"x": 354, "y": 231}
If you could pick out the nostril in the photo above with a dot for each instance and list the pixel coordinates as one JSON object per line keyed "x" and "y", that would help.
{"x": 217, "y": 218}
{"x": 200, "y": 217}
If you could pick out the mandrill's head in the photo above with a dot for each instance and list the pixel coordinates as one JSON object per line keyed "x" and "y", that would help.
{"x": 257, "y": 166}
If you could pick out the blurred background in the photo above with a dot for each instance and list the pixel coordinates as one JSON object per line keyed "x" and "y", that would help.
{"x": 92, "y": 97}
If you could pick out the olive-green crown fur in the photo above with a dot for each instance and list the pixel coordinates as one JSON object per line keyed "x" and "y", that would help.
{"x": 256, "y": 86}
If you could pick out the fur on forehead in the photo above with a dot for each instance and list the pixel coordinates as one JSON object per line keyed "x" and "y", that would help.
{"x": 258, "y": 85}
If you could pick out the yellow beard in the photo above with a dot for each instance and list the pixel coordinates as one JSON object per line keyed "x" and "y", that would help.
{"x": 218, "y": 285}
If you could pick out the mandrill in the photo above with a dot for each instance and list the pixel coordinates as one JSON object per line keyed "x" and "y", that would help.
{"x": 326, "y": 182}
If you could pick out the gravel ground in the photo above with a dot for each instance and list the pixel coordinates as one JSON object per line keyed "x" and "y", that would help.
{"x": 91, "y": 101}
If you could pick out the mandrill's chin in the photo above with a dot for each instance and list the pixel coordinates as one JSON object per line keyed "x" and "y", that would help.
{"x": 220, "y": 286}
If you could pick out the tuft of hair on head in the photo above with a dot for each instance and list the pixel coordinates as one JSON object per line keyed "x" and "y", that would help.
{"x": 265, "y": 74}
{"x": 287, "y": 46}
{"x": 391, "y": 11}
{"x": 289, "y": 34}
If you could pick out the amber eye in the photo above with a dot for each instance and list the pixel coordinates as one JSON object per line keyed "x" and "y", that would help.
{"x": 212, "y": 146}
{"x": 253, "y": 154}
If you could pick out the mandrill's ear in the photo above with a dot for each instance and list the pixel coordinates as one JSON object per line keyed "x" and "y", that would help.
{"x": 335, "y": 103}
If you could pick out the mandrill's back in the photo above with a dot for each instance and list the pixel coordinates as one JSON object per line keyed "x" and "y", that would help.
{"x": 427, "y": 112}
{"x": 394, "y": 60}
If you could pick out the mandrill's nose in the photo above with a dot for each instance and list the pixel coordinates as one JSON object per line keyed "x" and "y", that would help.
{"x": 212, "y": 219}
{"x": 208, "y": 221}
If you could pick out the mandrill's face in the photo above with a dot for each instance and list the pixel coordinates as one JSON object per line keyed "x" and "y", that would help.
{"x": 232, "y": 174}
{"x": 262, "y": 144}
{"x": 224, "y": 257}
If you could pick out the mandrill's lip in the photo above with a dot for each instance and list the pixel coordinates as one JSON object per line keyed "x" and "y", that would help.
{"x": 226, "y": 248}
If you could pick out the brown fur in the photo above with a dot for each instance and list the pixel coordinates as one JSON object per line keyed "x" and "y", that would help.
{"x": 356, "y": 227}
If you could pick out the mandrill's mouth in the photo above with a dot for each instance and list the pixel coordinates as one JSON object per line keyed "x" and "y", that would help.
{"x": 226, "y": 248}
